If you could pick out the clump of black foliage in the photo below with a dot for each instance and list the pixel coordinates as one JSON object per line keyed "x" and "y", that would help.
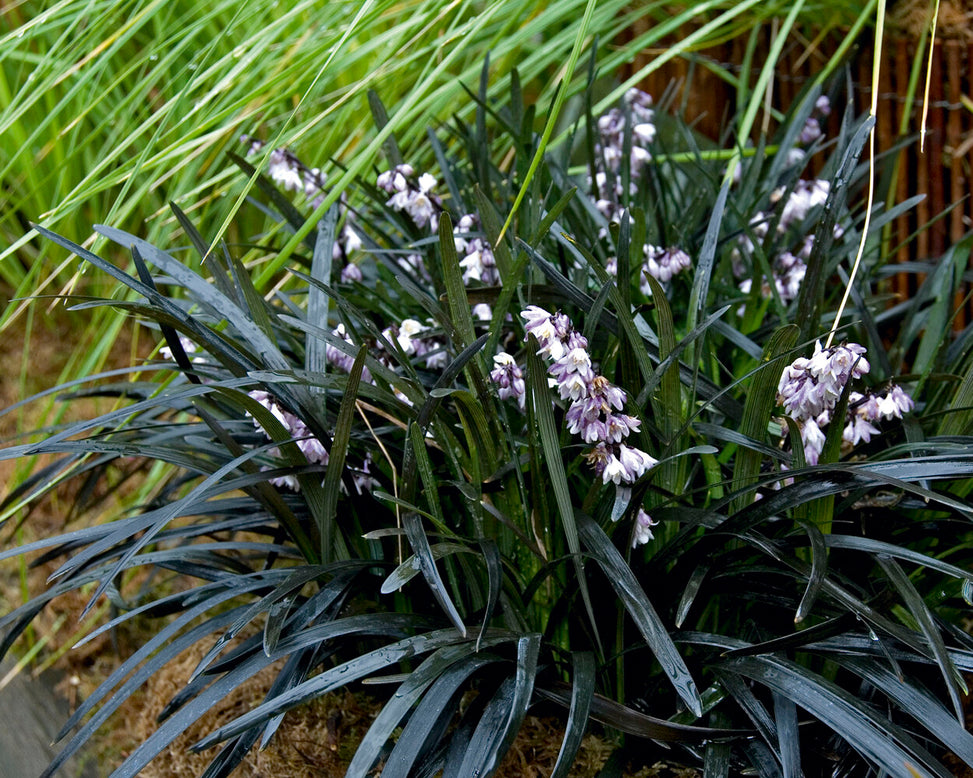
{"x": 355, "y": 486}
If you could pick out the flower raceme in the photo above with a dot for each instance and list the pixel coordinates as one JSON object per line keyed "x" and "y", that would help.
{"x": 610, "y": 146}
{"x": 812, "y": 125}
{"x": 595, "y": 407}
{"x": 788, "y": 268}
{"x": 509, "y": 378}
{"x": 414, "y": 196}
{"x": 811, "y": 387}
{"x": 311, "y": 446}
{"x": 809, "y": 390}
{"x": 659, "y": 262}
{"x": 643, "y": 529}
{"x": 477, "y": 261}
{"x": 416, "y": 199}
{"x": 286, "y": 170}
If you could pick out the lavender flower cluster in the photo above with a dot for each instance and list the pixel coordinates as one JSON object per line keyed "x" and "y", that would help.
{"x": 288, "y": 171}
{"x": 659, "y": 262}
{"x": 509, "y": 378}
{"x": 415, "y": 198}
{"x": 811, "y": 130}
{"x": 420, "y": 202}
{"x": 311, "y": 446}
{"x": 477, "y": 261}
{"x": 609, "y": 148}
{"x": 285, "y": 169}
{"x": 412, "y": 337}
{"x": 595, "y": 407}
{"x": 809, "y": 390}
{"x": 788, "y": 268}
{"x": 595, "y": 403}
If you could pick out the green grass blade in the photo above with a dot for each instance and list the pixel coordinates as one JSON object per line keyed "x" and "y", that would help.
{"x": 760, "y": 402}
{"x": 553, "y": 114}
{"x": 504, "y": 713}
{"x": 317, "y": 301}
{"x": 459, "y": 306}
{"x": 917, "y": 607}
{"x": 427, "y": 566}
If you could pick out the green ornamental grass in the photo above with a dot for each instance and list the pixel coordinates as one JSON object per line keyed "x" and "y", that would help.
{"x": 108, "y": 111}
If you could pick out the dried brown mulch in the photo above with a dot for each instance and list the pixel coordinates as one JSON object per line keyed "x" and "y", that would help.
{"x": 911, "y": 18}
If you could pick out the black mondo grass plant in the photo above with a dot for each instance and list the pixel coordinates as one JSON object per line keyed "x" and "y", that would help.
{"x": 577, "y": 456}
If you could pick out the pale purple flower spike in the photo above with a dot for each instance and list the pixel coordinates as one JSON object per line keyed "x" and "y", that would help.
{"x": 476, "y": 254}
{"x": 660, "y": 263}
{"x": 788, "y": 268}
{"x": 809, "y": 390}
{"x": 595, "y": 401}
{"x": 312, "y": 448}
{"x": 417, "y": 200}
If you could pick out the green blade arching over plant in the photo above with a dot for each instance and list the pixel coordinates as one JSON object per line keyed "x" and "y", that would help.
{"x": 424, "y": 464}
{"x": 459, "y": 306}
{"x": 819, "y": 569}
{"x": 492, "y": 560}
{"x": 918, "y": 702}
{"x": 315, "y": 359}
{"x": 633, "y": 722}
{"x": 865, "y": 731}
{"x": 667, "y": 404}
{"x": 412, "y": 566}
{"x": 431, "y": 683}
{"x": 330, "y": 538}
{"x": 920, "y": 612}
{"x": 427, "y": 566}
{"x": 433, "y": 713}
{"x": 707, "y": 259}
